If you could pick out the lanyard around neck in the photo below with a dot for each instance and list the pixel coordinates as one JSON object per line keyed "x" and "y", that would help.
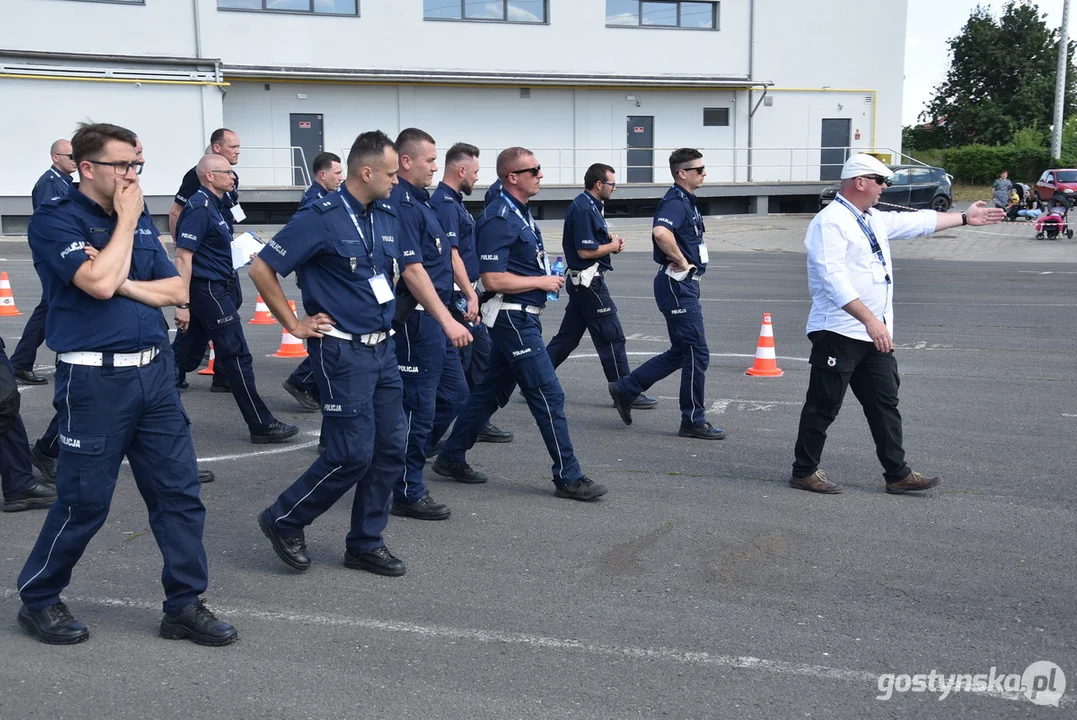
{"x": 516, "y": 209}
{"x": 865, "y": 227}
{"x": 355, "y": 221}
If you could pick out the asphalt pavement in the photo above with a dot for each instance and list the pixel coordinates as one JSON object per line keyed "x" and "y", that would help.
{"x": 702, "y": 586}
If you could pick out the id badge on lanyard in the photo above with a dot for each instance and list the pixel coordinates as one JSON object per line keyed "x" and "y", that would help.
{"x": 379, "y": 284}
{"x": 541, "y": 258}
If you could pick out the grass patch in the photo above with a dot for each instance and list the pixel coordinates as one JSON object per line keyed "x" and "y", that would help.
{"x": 972, "y": 193}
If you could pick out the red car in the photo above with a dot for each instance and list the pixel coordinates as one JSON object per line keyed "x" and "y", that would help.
{"x": 1062, "y": 181}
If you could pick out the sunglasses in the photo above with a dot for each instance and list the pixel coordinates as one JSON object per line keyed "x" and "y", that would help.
{"x": 879, "y": 180}
{"x": 533, "y": 170}
{"x": 699, "y": 169}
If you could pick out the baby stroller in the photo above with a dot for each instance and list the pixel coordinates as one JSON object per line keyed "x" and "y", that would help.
{"x": 1022, "y": 192}
{"x": 1055, "y": 222}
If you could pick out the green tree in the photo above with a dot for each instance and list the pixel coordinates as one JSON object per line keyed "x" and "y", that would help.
{"x": 1001, "y": 78}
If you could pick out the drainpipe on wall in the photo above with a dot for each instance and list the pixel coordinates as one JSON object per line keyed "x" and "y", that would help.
{"x": 751, "y": 78}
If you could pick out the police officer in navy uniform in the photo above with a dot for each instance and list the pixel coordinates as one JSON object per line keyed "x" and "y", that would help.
{"x": 54, "y": 183}
{"x": 515, "y": 271}
{"x": 204, "y": 260}
{"x": 588, "y": 246}
{"x": 346, "y": 248}
{"x": 427, "y": 339}
{"x": 461, "y": 174}
{"x": 328, "y": 175}
{"x": 21, "y": 490}
{"x": 115, "y": 392}
{"x": 681, "y": 253}
{"x": 225, "y": 143}
{"x": 46, "y": 450}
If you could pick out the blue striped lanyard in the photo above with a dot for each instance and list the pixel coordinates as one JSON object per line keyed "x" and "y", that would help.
{"x": 872, "y": 240}
{"x": 355, "y": 221}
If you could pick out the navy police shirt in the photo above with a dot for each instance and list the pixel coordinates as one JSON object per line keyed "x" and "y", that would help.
{"x": 585, "y": 229}
{"x": 459, "y": 226}
{"x": 508, "y": 240}
{"x": 202, "y": 229}
{"x": 492, "y": 193}
{"x": 337, "y": 258}
{"x": 59, "y": 231}
{"x": 52, "y": 184}
{"x": 314, "y": 193}
{"x": 421, "y": 237}
{"x": 190, "y": 184}
{"x": 677, "y": 212}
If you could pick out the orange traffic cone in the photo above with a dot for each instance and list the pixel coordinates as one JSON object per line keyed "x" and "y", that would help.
{"x": 766, "y": 362}
{"x": 208, "y": 369}
{"x": 7, "y": 300}
{"x": 262, "y": 316}
{"x": 290, "y": 345}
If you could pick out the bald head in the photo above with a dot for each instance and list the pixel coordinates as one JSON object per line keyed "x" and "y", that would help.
{"x": 62, "y": 159}
{"x": 215, "y": 174}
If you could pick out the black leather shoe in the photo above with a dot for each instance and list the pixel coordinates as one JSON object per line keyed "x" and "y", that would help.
{"x": 644, "y": 403}
{"x": 197, "y": 623}
{"x": 378, "y": 561}
{"x": 45, "y": 465}
{"x": 425, "y": 508}
{"x": 39, "y": 496}
{"x": 493, "y": 434}
{"x": 435, "y": 450}
{"x": 205, "y": 476}
{"x": 29, "y": 377}
{"x": 303, "y": 397}
{"x": 181, "y": 382}
{"x": 292, "y": 550}
{"x": 583, "y": 489}
{"x": 621, "y": 402}
{"x": 54, "y": 625}
{"x": 276, "y": 432}
{"x": 458, "y": 471}
{"x": 221, "y": 388}
{"x": 706, "y": 431}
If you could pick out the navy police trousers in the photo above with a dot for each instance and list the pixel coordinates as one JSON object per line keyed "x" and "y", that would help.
{"x": 688, "y": 352}
{"x": 363, "y": 427}
{"x": 591, "y": 309}
{"x": 434, "y": 393}
{"x": 104, "y": 414}
{"x": 518, "y": 356}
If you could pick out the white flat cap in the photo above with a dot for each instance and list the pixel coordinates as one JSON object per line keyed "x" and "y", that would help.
{"x": 861, "y": 164}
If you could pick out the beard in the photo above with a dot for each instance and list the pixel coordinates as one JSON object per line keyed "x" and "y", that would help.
{"x": 466, "y": 188}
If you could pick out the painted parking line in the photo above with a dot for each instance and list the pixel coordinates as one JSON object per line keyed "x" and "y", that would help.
{"x": 540, "y": 643}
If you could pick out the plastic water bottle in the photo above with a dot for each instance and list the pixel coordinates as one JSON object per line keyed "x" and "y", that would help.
{"x": 558, "y": 268}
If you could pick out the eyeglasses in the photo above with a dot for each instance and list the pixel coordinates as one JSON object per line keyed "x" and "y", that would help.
{"x": 533, "y": 170}
{"x": 879, "y": 180}
{"x": 226, "y": 172}
{"x": 66, "y": 155}
{"x": 121, "y": 167}
{"x": 610, "y": 185}
{"x": 699, "y": 169}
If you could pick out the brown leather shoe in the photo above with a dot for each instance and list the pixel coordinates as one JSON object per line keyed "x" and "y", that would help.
{"x": 913, "y": 482}
{"x": 816, "y": 482}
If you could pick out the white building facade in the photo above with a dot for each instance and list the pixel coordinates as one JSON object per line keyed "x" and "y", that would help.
{"x": 759, "y": 85}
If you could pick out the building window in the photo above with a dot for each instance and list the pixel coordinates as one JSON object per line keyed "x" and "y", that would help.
{"x": 314, "y": 7}
{"x": 716, "y": 117}
{"x": 517, "y": 11}
{"x": 662, "y": 14}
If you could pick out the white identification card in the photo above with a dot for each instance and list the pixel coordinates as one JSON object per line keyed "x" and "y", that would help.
{"x": 383, "y": 293}
{"x": 704, "y": 255}
{"x": 237, "y": 213}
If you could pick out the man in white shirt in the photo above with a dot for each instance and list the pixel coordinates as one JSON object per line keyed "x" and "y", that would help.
{"x": 851, "y": 280}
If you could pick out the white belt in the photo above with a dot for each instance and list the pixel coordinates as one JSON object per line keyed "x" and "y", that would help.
{"x": 142, "y": 358}
{"x": 370, "y": 339}
{"x": 533, "y": 309}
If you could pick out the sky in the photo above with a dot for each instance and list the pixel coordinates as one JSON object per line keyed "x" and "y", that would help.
{"x": 930, "y": 24}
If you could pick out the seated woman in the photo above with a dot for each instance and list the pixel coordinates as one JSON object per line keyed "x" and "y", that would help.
{"x": 1032, "y": 209}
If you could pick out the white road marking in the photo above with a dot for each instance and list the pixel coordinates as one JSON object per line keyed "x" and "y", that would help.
{"x": 736, "y": 355}
{"x": 536, "y": 642}
{"x": 256, "y": 453}
{"x": 719, "y": 406}
{"x": 1069, "y": 415}
{"x": 1046, "y": 272}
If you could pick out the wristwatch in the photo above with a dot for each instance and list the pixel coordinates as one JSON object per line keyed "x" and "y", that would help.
{"x": 964, "y": 219}
{"x": 184, "y": 306}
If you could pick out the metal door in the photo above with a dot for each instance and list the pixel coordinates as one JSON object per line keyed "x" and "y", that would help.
{"x": 835, "y": 146}
{"x": 640, "y": 149}
{"x": 307, "y": 136}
